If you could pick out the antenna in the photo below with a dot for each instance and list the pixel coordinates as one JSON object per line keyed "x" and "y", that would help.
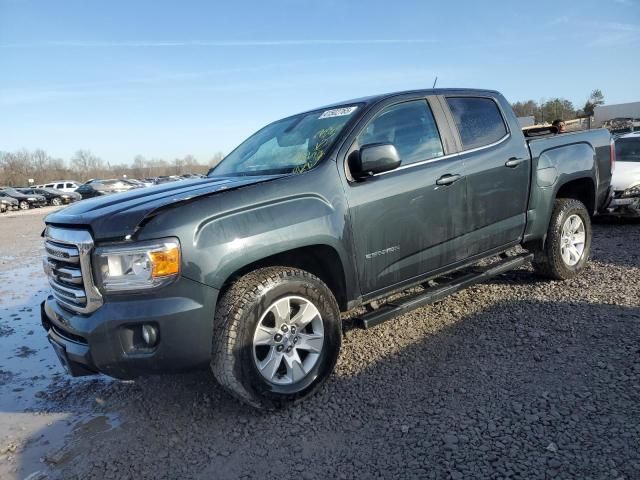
{"x": 434, "y": 82}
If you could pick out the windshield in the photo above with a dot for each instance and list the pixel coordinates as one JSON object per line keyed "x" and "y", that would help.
{"x": 628, "y": 149}
{"x": 293, "y": 145}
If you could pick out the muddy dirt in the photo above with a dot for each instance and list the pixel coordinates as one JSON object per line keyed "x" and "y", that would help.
{"x": 516, "y": 378}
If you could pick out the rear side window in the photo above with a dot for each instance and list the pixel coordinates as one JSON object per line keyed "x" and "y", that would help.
{"x": 479, "y": 121}
{"x": 410, "y": 127}
{"x": 49, "y": 185}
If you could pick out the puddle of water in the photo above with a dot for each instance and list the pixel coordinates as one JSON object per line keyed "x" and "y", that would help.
{"x": 32, "y": 426}
{"x": 27, "y": 363}
{"x": 34, "y": 436}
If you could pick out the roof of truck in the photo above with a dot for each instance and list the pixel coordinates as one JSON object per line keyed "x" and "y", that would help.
{"x": 430, "y": 91}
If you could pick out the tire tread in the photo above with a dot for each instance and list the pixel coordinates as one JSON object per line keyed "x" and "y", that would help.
{"x": 548, "y": 261}
{"x": 229, "y": 313}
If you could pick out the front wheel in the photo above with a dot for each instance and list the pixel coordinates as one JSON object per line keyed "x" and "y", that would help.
{"x": 568, "y": 243}
{"x": 56, "y": 202}
{"x": 24, "y": 205}
{"x": 277, "y": 336}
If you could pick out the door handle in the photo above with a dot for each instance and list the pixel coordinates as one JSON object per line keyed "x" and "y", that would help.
{"x": 448, "y": 179}
{"x": 513, "y": 162}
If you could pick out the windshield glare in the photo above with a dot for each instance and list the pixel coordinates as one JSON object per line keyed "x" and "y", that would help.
{"x": 293, "y": 145}
{"x": 628, "y": 150}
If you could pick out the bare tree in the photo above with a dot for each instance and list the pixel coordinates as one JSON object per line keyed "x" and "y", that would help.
{"x": 87, "y": 164}
{"x": 16, "y": 168}
{"x": 216, "y": 159}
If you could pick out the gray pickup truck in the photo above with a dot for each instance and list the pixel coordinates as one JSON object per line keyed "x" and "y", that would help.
{"x": 323, "y": 212}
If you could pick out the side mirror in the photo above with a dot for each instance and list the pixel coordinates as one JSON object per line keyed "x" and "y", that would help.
{"x": 373, "y": 158}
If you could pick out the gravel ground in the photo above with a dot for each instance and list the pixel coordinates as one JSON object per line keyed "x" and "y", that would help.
{"x": 516, "y": 378}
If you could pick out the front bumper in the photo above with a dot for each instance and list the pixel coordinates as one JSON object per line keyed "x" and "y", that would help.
{"x": 107, "y": 340}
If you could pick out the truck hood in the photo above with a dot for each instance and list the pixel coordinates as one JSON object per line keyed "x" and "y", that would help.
{"x": 118, "y": 215}
{"x": 626, "y": 174}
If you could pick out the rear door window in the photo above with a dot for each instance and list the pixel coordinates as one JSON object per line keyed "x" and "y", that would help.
{"x": 410, "y": 127}
{"x": 479, "y": 121}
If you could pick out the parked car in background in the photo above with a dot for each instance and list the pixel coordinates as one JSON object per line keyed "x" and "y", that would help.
{"x": 62, "y": 185}
{"x": 188, "y": 176}
{"x": 98, "y": 188}
{"x": 53, "y": 196}
{"x": 167, "y": 179}
{"x": 626, "y": 178}
{"x": 7, "y": 203}
{"x": 25, "y": 201}
{"x": 136, "y": 182}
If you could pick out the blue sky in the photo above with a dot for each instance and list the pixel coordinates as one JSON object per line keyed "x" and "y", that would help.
{"x": 169, "y": 78}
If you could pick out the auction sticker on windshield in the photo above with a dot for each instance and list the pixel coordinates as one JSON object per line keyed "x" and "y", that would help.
{"x": 337, "y": 112}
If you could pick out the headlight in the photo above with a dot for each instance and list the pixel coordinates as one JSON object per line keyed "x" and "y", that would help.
{"x": 633, "y": 191}
{"x": 138, "y": 266}
{"x": 65, "y": 196}
{"x": 31, "y": 199}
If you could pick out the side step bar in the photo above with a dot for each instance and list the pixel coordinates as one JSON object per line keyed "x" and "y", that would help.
{"x": 440, "y": 291}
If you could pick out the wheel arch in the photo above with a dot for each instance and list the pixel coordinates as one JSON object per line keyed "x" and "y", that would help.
{"x": 582, "y": 189}
{"x": 321, "y": 260}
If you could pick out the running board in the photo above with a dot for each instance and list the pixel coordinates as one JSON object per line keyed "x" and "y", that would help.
{"x": 440, "y": 291}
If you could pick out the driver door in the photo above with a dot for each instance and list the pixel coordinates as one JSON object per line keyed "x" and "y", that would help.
{"x": 404, "y": 220}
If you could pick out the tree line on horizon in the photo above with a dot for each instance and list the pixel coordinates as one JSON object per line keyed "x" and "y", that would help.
{"x": 557, "y": 108}
{"x": 16, "y": 168}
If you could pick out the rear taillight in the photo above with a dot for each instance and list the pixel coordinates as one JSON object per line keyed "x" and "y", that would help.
{"x": 613, "y": 154}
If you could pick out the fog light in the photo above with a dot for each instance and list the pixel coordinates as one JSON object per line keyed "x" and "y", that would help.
{"x": 149, "y": 335}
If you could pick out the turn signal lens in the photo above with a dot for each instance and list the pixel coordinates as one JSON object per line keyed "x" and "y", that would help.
{"x": 165, "y": 262}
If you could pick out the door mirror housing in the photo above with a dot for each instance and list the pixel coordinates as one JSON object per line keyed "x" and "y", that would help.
{"x": 373, "y": 158}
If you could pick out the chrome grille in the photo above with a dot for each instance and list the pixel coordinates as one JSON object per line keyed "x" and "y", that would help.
{"x": 68, "y": 266}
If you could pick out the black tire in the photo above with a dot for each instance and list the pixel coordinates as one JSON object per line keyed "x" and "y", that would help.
{"x": 24, "y": 205}
{"x": 237, "y": 317}
{"x": 548, "y": 261}
{"x": 56, "y": 202}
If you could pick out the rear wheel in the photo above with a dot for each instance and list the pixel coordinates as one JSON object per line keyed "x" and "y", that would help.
{"x": 568, "y": 243}
{"x": 24, "y": 205}
{"x": 277, "y": 336}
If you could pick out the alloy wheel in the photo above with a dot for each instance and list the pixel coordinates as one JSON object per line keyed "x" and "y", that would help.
{"x": 288, "y": 340}
{"x": 573, "y": 240}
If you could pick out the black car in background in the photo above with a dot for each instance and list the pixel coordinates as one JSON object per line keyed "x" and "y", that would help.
{"x": 7, "y": 203}
{"x": 167, "y": 179}
{"x": 53, "y": 196}
{"x": 98, "y": 188}
{"x": 25, "y": 201}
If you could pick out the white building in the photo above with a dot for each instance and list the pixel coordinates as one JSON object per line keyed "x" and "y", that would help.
{"x": 602, "y": 113}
